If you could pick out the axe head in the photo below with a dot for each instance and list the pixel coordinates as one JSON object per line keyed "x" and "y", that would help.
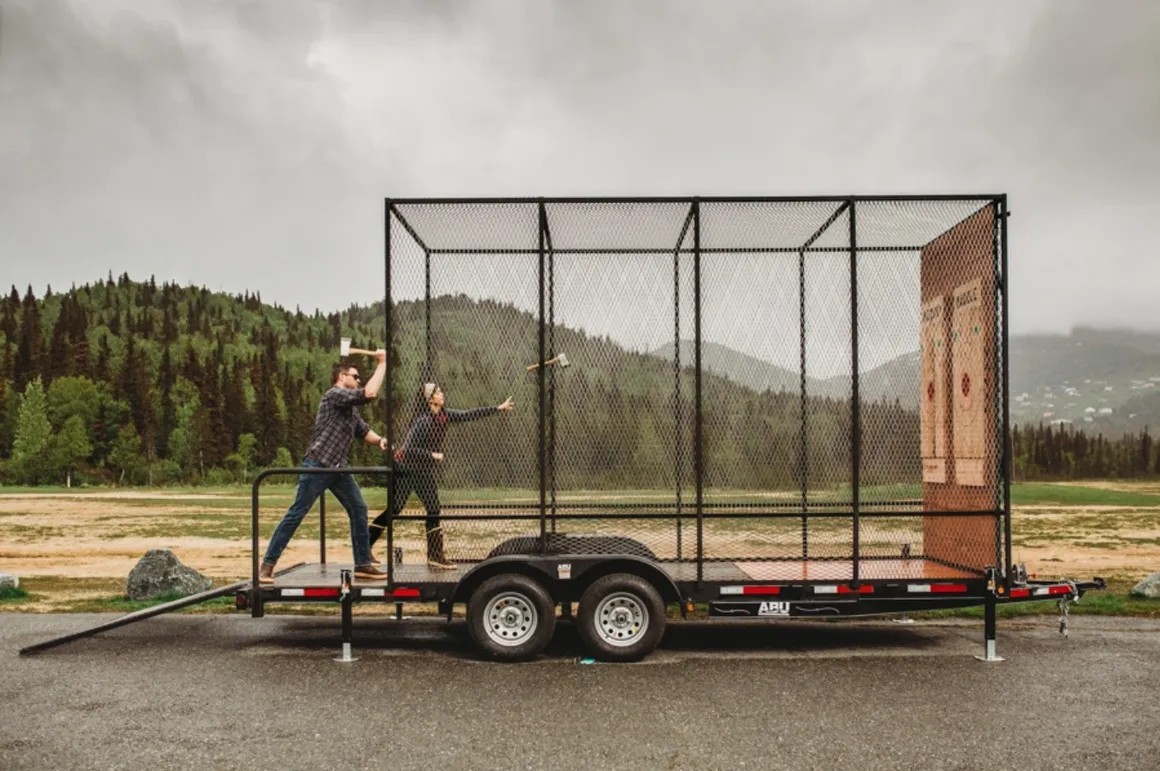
{"x": 561, "y": 360}
{"x": 344, "y": 347}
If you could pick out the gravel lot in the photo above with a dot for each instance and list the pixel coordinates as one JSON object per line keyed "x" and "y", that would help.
{"x": 228, "y": 691}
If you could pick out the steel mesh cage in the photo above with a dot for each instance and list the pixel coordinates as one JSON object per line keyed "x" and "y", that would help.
{"x": 793, "y": 385}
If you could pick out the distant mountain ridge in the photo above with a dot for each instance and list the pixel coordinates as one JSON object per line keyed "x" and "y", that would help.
{"x": 1105, "y": 380}
{"x": 741, "y": 368}
{"x": 890, "y": 381}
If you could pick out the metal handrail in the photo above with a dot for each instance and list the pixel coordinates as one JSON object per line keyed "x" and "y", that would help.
{"x": 384, "y": 470}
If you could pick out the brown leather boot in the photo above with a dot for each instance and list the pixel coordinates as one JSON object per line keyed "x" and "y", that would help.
{"x": 266, "y": 574}
{"x": 436, "y": 559}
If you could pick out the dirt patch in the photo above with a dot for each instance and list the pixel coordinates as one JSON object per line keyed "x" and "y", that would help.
{"x": 127, "y": 495}
{"x": 114, "y": 558}
{"x": 104, "y": 534}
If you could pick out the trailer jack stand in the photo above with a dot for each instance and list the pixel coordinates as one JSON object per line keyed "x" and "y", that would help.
{"x": 989, "y": 653}
{"x": 1064, "y": 606}
{"x": 347, "y": 600}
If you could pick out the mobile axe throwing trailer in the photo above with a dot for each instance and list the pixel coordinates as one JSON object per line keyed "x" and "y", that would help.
{"x": 769, "y": 408}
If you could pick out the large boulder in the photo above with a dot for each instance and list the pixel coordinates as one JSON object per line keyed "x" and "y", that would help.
{"x": 159, "y": 573}
{"x": 9, "y": 581}
{"x": 1149, "y": 587}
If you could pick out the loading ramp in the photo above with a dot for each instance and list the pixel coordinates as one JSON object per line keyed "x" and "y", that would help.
{"x": 141, "y": 615}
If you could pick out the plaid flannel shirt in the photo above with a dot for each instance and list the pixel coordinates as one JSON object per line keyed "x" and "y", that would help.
{"x": 336, "y": 424}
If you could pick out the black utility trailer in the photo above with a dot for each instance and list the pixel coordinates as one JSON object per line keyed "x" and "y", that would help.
{"x": 766, "y": 407}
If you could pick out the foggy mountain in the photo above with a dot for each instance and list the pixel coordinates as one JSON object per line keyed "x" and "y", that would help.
{"x": 1103, "y": 380}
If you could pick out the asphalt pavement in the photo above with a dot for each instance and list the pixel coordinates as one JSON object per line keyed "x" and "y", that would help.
{"x": 227, "y": 691}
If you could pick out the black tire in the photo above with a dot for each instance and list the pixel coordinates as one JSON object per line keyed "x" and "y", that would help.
{"x": 621, "y": 618}
{"x": 511, "y": 617}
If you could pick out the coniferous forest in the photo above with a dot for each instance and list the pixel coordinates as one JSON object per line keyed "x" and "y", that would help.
{"x": 134, "y": 383}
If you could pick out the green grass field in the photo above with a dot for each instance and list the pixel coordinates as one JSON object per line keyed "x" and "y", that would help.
{"x": 280, "y": 495}
{"x": 1096, "y": 518}
{"x": 1046, "y": 493}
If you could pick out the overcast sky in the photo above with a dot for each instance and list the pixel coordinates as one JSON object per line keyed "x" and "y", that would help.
{"x": 248, "y": 146}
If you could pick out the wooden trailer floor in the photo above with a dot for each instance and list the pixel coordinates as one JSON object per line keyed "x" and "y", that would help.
{"x": 787, "y": 571}
{"x": 843, "y": 570}
{"x": 318, "y": 574}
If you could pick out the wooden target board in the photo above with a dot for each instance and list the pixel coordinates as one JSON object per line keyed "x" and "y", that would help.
{"x": 958, "y": 274}
{"x": 933, "y": 416}
{"x": 969, "y": 383}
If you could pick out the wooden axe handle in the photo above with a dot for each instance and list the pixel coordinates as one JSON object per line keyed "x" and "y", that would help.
{"x": 552, "y": 360}
{"x": 355, "y": 351}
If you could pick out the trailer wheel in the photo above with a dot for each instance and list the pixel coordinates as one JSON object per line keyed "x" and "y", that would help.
{"x": 621, "y": 617}
{"x": 511, "y": 617}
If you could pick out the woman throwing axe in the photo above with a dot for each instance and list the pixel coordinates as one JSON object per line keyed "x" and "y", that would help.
{"x": 418, "y": 458}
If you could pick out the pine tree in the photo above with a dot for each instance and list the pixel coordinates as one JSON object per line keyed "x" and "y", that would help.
{"x": 270, "y": 429}
{"x": 215, "y": 440}
{"x": 28, "y": 349}
{"x": 33, "y": 431}
{"x": 125, "y": 456}
{"x": 132, "y": 387}
{"x": 165, "y": 377}
{"x": 69, "y": 448}
{"x": 110, "y": 415}
{"x": 183, "y": 439}
{"x": 9, "y": 307}
{"x": 78, "y": 337}
{"x": 101, "y": 368}
{"x": 57, "y": 359}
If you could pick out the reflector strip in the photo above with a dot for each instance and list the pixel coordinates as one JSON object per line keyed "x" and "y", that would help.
{"x": 751, "y": 590}
{"x": 321, "y": 592}
{"x": 405, "y": 592}
{"x": 937, "y": 588}
{"x": 843, "y": 589}
{"x": 373, "y": 592}
{"x": 308, "y": 593}
{"x": 1020, "y": 593}
{"x": 1052, "y": 591}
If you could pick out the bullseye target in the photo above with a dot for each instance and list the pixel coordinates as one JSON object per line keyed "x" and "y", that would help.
{"x": 968, "y": 346}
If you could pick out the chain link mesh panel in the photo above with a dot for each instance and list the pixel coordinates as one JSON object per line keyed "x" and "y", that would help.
{"x": 593, "y": 315}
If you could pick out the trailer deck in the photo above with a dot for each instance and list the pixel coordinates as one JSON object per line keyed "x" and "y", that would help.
{"x": 329, "y": 575}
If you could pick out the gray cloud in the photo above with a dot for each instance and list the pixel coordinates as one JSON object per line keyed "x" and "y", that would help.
{"x": 249, "y": 145}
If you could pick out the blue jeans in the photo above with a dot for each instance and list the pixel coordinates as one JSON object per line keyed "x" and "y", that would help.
{"x": 310, "y": 486}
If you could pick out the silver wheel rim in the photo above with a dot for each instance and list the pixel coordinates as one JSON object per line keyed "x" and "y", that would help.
{"x": 510, "y": 619}
{"x": 621, "y": 619}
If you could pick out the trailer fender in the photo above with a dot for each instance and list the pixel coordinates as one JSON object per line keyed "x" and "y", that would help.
{"x": 534, "y": 569}
{"x": 565, "y": 576}
{"x": 627, "y": 564}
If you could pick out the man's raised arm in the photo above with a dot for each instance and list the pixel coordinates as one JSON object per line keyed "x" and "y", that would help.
{"x": 376, "y": 382}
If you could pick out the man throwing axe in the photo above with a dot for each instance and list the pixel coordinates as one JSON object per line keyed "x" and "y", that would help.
{"x": 335, "y": 425}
